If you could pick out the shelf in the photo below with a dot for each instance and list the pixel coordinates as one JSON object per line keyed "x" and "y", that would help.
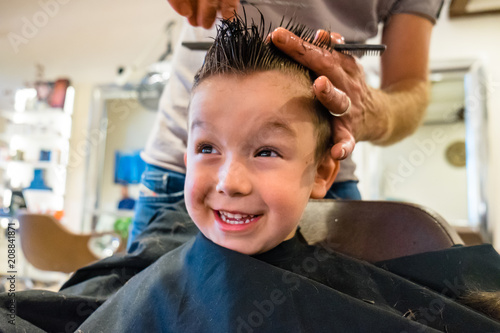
{"x": 31, "y": 126}
{"x": 38, "y": 123}
{"x": 38, "y": 139}
{"x": 36, "y": 165}
{"x": 42, "y": 109}
{"x": 34, "y": 117}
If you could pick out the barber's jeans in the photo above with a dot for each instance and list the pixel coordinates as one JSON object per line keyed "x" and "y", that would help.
{"x": 164, "y": 188}
{"x": 167, "y": 188}
{"x": 347, "y": 190}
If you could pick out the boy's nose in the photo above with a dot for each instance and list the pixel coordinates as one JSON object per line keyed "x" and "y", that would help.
{"x": 233, "y": 180}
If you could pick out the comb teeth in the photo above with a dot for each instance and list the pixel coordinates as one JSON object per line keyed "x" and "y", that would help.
{"x": 359, "y": 50}
{"x": 359, "y": 53}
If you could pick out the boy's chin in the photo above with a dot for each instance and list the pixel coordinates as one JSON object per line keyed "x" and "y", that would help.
{"x": 250, "y": 246}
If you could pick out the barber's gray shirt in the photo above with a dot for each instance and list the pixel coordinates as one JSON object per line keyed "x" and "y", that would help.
{"x": 356, "y": 20}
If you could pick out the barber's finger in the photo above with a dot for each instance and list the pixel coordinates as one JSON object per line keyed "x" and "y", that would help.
{"x": 334, "y": 37}
{"x": 335, "y": 100}
{"x": 337, "y": 38}
{"x": 343, "y": 138}
{"x": 349, "y": 63}
{"x": 321, "y": 36}
{"x": 207, "y": 11}
{"x": 183, "y": 7}
{"x": 193, "y": 20}
{"x": 228, "y": 8}
{"x": 313, "y": 57}
{"x": 343, "y": 148}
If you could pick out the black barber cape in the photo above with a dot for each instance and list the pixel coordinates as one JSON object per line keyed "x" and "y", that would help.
{"x": 202, "y": 287}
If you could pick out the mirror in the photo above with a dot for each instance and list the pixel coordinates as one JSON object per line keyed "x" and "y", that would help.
{"x": 118, "y": 129}
{"x": 443, "y": 165}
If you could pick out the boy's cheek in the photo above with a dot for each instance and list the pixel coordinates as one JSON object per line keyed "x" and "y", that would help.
{"x": 195, "y": 186}
{"x": 191, "y": 198}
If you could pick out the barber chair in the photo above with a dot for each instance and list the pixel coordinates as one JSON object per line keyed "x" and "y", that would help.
{"x": 368, "y": 230}
{"x": 376, "y": 230}
{"x": 49, "y": 246}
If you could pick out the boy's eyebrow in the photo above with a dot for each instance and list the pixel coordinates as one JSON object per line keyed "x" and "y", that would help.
{"x": 198, "y": 123}
{"x": 278, "y": 125}
{"x": 268, "y": 127}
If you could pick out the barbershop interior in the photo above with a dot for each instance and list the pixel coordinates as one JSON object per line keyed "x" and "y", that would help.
{"x": 81, "y": 86}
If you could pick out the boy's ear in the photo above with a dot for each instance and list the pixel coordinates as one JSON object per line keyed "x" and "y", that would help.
{"x": 326, "y": 172}
{"x": 185, "y": 159}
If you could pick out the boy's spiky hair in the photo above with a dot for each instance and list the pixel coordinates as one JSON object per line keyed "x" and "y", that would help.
{"x": 240, "y": 48}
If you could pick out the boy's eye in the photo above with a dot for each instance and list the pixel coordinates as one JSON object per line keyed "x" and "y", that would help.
{"x": 207, "y": 149}
{"x": 267, "y": 153}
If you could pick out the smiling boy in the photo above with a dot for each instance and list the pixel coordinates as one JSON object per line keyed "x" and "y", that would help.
{"x": 258, "y": 144}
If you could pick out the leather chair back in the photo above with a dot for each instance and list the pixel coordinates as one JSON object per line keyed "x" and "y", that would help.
{"x": 376, "y": 230}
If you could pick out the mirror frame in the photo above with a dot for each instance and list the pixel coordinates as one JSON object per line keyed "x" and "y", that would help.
{"x": 96, "y": 149}
{"x": 458, "y": 8}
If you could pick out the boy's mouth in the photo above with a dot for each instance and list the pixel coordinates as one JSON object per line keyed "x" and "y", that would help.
{"x": 236, "y": 218}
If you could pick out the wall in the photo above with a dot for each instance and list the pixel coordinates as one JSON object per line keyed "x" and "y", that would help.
{"x": 475, "y": 37}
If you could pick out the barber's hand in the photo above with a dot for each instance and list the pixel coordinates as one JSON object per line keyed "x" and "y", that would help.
{"x": 340, "y": 78}
{"x": 203, "y": 12}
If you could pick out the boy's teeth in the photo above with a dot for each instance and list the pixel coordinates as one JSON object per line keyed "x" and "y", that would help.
{"x": 235, "y": 218}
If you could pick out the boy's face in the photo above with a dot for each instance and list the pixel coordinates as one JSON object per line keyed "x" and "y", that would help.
{"x": 250, "y": 159}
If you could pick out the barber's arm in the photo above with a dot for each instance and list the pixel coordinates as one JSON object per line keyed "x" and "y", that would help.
{"x": 405, "y": 74}
{"x": 382, "y": 116}
{"x": 203, "y": 12}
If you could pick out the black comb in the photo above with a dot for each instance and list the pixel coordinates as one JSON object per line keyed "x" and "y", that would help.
{"x": 357, "y": 50}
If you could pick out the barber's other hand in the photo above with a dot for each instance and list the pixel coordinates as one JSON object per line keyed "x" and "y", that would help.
{"x": 340, "y": 78}
{"x": 203, "y": 12}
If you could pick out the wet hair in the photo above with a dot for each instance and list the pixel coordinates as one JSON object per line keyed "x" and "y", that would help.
{"x": 240, "y": 48}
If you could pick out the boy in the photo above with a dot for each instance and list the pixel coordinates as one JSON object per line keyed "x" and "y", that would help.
{"x": 257, "y": 151}
{"x": 258, "y": 144}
